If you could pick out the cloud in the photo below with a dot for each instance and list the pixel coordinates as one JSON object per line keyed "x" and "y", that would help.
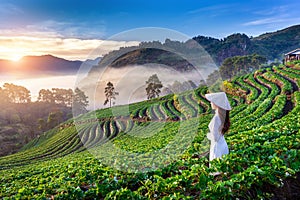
{"x": 52, "y": 28}
{"x": 274, "y": 20}
{"x": 272, "y": 11}
{"x": 269, "y": 20}
{"x": 283, "y": 14}
{"x": 221, "y": 8}
{"x": 68, "y": 48}
{"x": 90, "y": 29}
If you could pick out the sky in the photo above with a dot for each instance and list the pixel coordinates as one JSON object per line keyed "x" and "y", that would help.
{"x": 71, "y": 28}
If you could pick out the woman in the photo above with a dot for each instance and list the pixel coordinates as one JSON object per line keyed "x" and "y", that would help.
{"x": 219, "y": 124}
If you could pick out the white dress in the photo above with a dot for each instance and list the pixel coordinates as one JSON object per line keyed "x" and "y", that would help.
{"x": 218, "y": 145}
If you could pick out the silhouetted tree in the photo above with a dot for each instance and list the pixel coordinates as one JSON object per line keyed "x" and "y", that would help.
{"x": 62, "y": 96}
{"x": 3, "y": 97}
{"x": 45, "y": 95}
{"x": 16, "y": 93}
{"x": 56, "y": 95}
{"x": 153, "y": 87}
{"x": 80, "y": 102}
{"x": 110, "y": 93}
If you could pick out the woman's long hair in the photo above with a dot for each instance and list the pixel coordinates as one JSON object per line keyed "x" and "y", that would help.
{"x": 224, "y": 115}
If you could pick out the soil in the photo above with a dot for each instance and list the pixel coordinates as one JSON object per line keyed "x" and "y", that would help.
{"x": 288, "y": 107}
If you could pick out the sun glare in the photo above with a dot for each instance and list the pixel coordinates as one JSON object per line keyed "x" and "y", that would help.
{"x": 16, "y": 58}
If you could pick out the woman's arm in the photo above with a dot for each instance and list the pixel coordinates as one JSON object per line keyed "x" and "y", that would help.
{"x": 214, "y": 127}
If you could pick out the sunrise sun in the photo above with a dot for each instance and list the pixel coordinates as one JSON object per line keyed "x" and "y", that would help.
{"x": 16, "y": 57}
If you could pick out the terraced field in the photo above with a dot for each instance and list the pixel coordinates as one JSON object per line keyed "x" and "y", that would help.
{"x": 158, "y": 149}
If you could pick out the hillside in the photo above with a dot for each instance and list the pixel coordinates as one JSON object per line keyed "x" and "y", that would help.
{"x": 132, "y": 148}
{"x": 19, "y": 123}
{"x": 274, "y": 45}
{"x": 270, "y": 45}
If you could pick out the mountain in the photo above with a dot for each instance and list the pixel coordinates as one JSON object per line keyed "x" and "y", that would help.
{"x": 274, "y": 45}
{"x": 46, "y": 64}
{"x": 270, "y": 45}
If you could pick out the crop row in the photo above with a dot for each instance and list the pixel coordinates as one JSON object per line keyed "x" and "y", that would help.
{"x": 294, "y": 77}
{"x": 253, "y": 91}
{"x": 264, "y": 150}
{"x": 275, "y": 90}
{"x": 89, "y": 133}
{"x": 264, "y": 90}
{"x": 262, "y": 156}
{"x": 286, "y": 86}
{"x": 294, "y": 71}
{"x": 260, "y": 117}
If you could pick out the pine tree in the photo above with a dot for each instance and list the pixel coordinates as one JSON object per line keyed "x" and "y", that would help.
{"x": 110, "y": 93}
{"x": 153, "y": 87}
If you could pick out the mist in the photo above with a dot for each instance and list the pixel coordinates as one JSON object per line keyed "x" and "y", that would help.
{"x": 130, "y": 82}
{"x": 35, "y": 84}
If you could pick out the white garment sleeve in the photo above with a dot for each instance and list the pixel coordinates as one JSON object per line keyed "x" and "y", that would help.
{"x": 214, "y": 126}
{"x": 209, "y": 136}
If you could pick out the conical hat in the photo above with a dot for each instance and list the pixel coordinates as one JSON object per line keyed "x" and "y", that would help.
{"x": 219, "y": 99}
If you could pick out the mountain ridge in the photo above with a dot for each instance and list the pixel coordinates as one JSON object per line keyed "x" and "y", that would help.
{"x": 271, "y": 45}
{"x": 44, "y": 64}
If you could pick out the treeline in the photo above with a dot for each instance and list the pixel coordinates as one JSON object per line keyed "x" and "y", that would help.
{"x": 239, "y": 65}
{"x": 14, "y": 94}
{"x": 22, "y": 119}
{"x": 178, "y": 87}
{"x": 11, "y": 93}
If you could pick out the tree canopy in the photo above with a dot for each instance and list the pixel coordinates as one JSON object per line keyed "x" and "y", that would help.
{"x": 56, "y": 95}
{"x": 153, "y": 87}
{"x": 15, "y": 93}
{"x": 80, "y": 102}
{"x": 239, "y": 65}
{"x": 110, "y": 93}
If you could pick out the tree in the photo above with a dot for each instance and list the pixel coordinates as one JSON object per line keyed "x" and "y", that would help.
{"x": 56, "y": 95}
{"x": 42, "y": 124}
{"x": 54, "y": 119}
{"x": 258, "y": 60}
{"x": 227, "y": 68}
{"x": 46, "y": 96}
{"x": 213, "y": 78}
{"x": 80, "y": 102}
{"x": 3, "y": 97}
{"x": 202, "y": 83}
{"x": 62, "y": 96}
{"x": 16, "y": 93}
{"x": 110, "y": 93}
{"x": 153, "y": 87}
{"x": 240, "y": 65}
